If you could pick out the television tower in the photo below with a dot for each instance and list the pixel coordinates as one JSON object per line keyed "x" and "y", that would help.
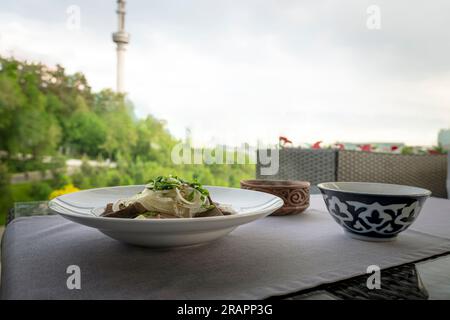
{"x": 121, "y": 38}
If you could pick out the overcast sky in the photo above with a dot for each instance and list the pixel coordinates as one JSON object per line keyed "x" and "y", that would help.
{"x": 236, "y": 71}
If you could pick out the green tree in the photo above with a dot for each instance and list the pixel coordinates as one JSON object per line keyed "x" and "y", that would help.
{"x": 5, "y": 192}
{"x": 86, "y": 132}
{"x": 154, "y": 142}
{"x": 36, "y": 133}
{"x": 11, "y": 99}
{"x": 121, "y": 133}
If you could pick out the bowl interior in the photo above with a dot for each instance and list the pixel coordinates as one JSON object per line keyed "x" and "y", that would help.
{"x": 371, "y": 188}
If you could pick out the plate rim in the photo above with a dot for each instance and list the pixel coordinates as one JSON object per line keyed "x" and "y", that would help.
{"x": 273, "y": 204}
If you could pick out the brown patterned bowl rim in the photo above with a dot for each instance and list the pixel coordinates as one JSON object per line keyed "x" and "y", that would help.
{"x": 275, "y": 184}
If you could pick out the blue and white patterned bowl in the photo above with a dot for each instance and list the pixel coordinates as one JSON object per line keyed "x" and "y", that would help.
{"x": 373, "y": 211}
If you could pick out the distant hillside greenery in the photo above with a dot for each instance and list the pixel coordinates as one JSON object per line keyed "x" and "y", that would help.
{"x": 46, "y": 113}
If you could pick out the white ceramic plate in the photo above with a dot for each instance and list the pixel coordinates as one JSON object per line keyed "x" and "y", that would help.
{"x": 83, "y": 207}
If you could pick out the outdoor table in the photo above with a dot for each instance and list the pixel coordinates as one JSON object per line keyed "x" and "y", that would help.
{"x": 35, "y": 251}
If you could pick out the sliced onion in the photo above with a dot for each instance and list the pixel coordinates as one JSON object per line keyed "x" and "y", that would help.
{"x": 170, "y": 202}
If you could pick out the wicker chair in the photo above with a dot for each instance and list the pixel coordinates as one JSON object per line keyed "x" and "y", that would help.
{"x": 315, "y": 166}
{"x": 426, "y": 171}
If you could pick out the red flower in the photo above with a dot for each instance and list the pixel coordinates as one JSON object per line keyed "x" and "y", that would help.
{"x": 366, "y": 147}
{"x": 316, "y": 145}
{"x": 340, "y": 146}
{"x": 284, "y": 140}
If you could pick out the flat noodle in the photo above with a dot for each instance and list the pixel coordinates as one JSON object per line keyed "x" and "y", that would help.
{"x": 165, "y": 198}
{"x": 131, "y": 212}
{"x": 214, "y": 212}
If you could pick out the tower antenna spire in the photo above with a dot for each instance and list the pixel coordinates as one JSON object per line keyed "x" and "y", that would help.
{"x": 121, "y": 38}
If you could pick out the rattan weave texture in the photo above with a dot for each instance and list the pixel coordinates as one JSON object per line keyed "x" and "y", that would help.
{"x": 426, "y": 171}
{"x": 314, "y": 166}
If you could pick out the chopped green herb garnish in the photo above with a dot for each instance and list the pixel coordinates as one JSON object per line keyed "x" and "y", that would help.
{"x": 172, "y": 182}
{"x": 208, "y": 206}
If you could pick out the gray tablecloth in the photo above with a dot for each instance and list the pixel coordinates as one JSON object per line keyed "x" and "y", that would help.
{"x": 272, "y": 256}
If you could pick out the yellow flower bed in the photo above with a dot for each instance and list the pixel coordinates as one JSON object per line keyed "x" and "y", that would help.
{"x": 68, "y": 188}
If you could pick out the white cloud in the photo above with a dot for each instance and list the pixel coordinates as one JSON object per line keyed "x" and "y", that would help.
{"x": 53, "y": 43}
{"x": 242, "y": 72}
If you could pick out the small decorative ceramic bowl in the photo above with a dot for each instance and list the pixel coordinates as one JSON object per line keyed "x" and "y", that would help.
{"x": 295, "y": 194}
{"x": 373, "y": 211}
